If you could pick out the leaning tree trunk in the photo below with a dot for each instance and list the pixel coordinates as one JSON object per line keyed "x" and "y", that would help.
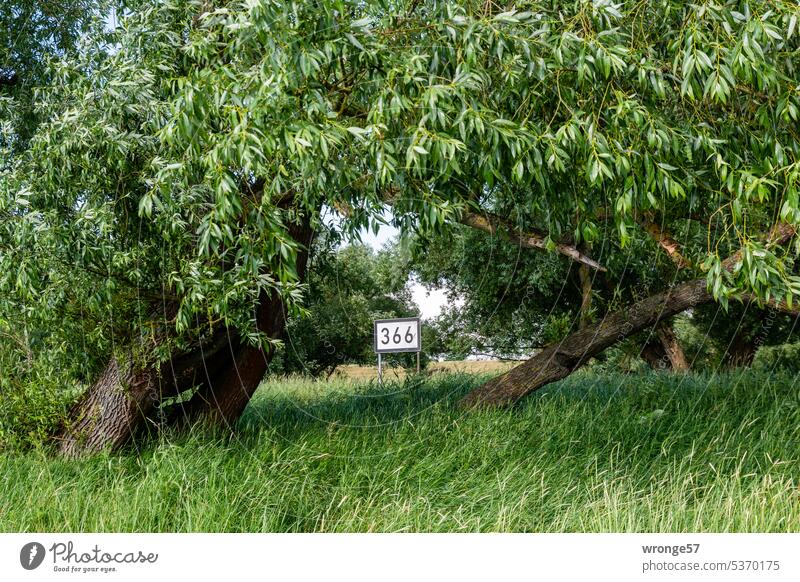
{"x": 223, "y": 398}
{"x": 224, "y": 395}
{"x": 115, "y": 408}
{"x": 559, "y": 360}
{"x": 654, "y": 354}
{"x": 124, "y": 400}
{"x": 672, "y": 346}
{"x": 108, "y": 414}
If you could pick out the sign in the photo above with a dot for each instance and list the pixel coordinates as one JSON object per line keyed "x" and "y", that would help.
{"x": 397, "y": 335}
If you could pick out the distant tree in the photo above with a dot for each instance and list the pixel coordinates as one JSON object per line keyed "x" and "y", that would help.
{"x": 348, "y": 288}
{"x": 513, "y": 300}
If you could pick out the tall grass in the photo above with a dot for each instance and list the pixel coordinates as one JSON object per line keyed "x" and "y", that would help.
{"x": 611, "y": 453}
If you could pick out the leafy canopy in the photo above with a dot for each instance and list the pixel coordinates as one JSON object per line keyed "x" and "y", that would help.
{"x": 174, "y": 159}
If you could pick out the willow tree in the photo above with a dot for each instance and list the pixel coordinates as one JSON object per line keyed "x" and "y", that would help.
{"x": 171, "y": 194}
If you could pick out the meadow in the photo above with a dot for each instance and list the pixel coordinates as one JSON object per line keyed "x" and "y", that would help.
{"x": 594, "y": 453}
{"x": 479, "y": 367}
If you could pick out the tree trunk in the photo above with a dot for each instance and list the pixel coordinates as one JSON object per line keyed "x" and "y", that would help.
{"x": 124, "y": 400}
{"x": 116, "y": 406}
{"x": 741, "y": 351}
{"x": 559, "y": 360}
{"x": 225, "y": 394}
{"x": 672, "y": 347}
{"x": 224, "y": 397}
{"x": 654, "y": 354}
{"x": 108, "y": 414}
{"x": 663, "y": 351}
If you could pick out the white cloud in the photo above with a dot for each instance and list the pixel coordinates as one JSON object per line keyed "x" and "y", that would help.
{"x": 430, "y": 302}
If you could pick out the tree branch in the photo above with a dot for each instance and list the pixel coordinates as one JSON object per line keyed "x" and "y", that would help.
{"x": 529, "y": 239}
{"x": 495, "y": 225}
{"x": 412, "y": 7}
{"x": 666, "y": 242}
{"x": 781, "y": 306}
{"x": 778, "y": 235}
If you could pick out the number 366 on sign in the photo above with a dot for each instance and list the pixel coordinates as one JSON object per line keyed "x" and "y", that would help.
{"x": 397, "y": 335}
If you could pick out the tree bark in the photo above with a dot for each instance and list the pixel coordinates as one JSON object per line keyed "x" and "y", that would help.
{"x": 529, "y": 239}
{"x": 559, "y": 360}
{"x": 123, "y": 403}
{"x": 225, "y": 394}
{"x": 108, "y": 414}
{"x": 116, "y": 407}
{"x": 664, "y": 351}
{"x": 672, "y": 346}
{"x": 224, "y": 397}
{"x": 654, "y": 354}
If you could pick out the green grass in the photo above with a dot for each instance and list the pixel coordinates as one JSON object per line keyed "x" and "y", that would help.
{"x": 594, "y": 453}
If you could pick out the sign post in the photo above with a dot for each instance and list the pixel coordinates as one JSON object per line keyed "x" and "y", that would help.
{"x": 401, "y": 334}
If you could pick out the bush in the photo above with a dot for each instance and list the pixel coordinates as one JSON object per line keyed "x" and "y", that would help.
{"x": 40, "y": 376}
{"x": 784, "y": 357}
{"x": 32, "y": 408}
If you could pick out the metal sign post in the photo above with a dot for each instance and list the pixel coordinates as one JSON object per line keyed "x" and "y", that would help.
{"x": 402, "y": 334}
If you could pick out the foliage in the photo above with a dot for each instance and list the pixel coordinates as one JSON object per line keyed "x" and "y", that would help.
{"x": 784, "y": 357}
{"x": 38, "y": 380}
{"x": 516, "y": 300}
{"x": 174, "y": 164}
{"x": 32, "y": 406}
{"x": 749, "y": 324}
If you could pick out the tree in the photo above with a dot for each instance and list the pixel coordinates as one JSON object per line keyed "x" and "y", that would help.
{"x": 348, "y": 288}
{"x": 175, "y": 182}
{"x": 565, "y": 356}
{"x": 516, "y": 301}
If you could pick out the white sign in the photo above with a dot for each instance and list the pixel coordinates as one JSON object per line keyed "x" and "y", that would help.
{"x": 397, "y": 335}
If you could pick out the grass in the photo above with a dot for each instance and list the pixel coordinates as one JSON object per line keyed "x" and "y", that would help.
{"x": 593, "y": 453}
{"x": 355, "y": 372}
